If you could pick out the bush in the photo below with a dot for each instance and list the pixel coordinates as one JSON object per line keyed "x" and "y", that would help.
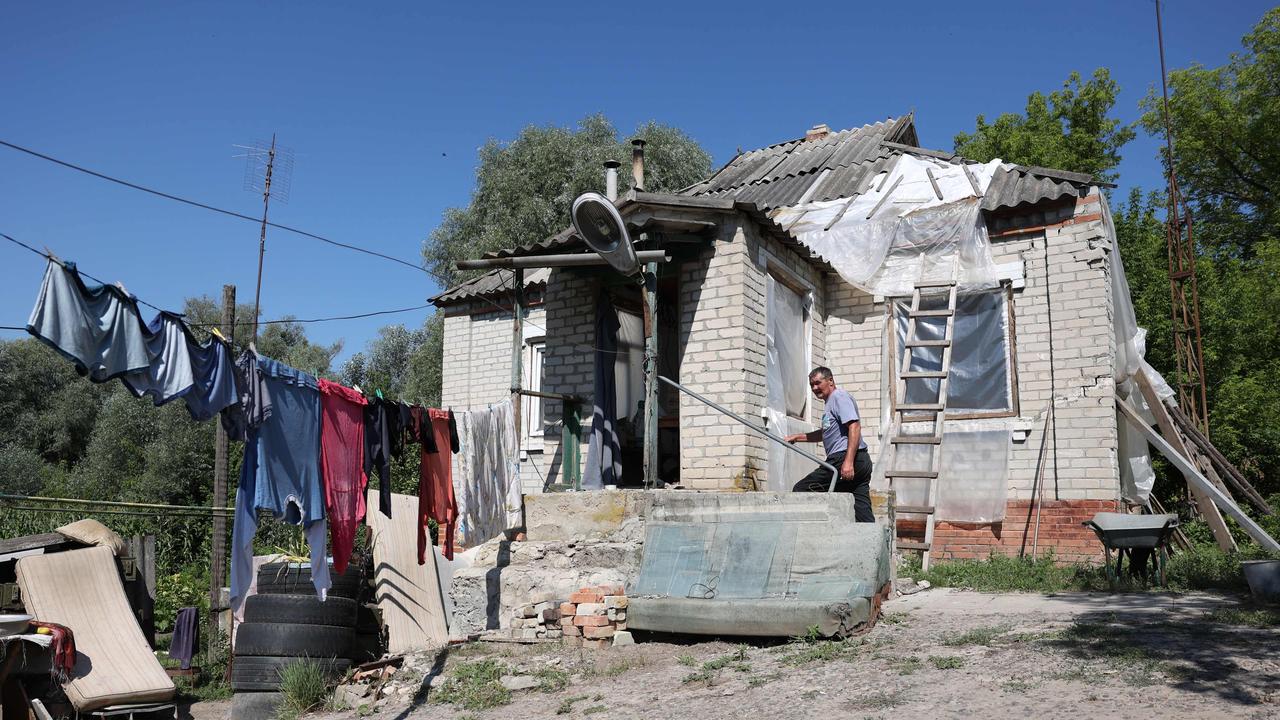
{"x": 188, "y": 588}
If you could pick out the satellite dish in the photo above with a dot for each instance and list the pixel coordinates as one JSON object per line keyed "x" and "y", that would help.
{"x": 598, "y": 222}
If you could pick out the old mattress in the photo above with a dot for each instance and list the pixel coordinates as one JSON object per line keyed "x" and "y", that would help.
{"x": 81, "y": 589}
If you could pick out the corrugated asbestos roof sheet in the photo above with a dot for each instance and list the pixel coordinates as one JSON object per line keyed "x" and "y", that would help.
{"x": 843, "y": 163}
{"x": 494, "y": 282}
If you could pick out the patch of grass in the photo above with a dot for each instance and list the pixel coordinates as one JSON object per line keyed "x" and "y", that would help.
{"x": 710, "y": 669}
{"x": 594, "y": 709}
{"x": 946, "y": 662}
{"x": 552, "y": 679}
{"x": 977, "y": 636}
{"x": 1001, "y": 573}
{"x": 1259, "y": 618}
{"x": 303, "y": 686}
{"x": 566, "y": 705}
{"x": 882, "y": 700}
{"x": 474, "y": 686}
{"x": 1018, "y": 685}
{"x": 907, "y": 665}
{"x": 894, "y": 618}
{"x": 825, "y": 651}
{"x": 1114, "y": 648}
{"x": 687, "y": 660}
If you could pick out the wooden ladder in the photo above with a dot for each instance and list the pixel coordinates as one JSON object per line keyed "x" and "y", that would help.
{"x": 937, "y": 409}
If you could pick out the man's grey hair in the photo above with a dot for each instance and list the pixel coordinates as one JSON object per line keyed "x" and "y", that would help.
{"x": 823, "y": 372}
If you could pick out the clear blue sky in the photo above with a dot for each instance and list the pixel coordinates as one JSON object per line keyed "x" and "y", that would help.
{"x": 385, "y": 105}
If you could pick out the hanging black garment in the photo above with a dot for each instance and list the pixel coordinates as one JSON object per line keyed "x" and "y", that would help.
{"x": 377, "y": 449}
{"x": 454, "y": 445}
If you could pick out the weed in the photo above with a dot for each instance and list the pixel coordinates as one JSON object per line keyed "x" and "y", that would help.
{"x": 908, "y": 665}
{"x": 809, "y": 694}
{"x": 566, "y": 705}
{"x": 758, "y": 680}
{"x": 894, "y": 618}
{"x": 687, "y": 660}
{"x": 976, "y": 636}
{"x": 1260, "y": 618}
{"x": 303, "y": 686}
{"x": 883, "y": 700}
{"x": 811, "y": 635}
{"x": 710, "y": 669}
{"x": 817, "y": 652}
{"x": 946, "y": 662}
{"x": 552, "y": 680}
{"x": 1018, "y": 685}
{"x": 622, "y": 666}
{"x": 1113, "y": 647}
{"x": 594, "y": 709}
{"x": 474, "y": 686}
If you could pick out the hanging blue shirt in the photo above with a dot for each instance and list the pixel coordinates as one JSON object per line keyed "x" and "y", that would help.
{"x": 168, "y": 377}
{"x": 96, "y": 327}
{"x": 213, "y": 372}
{"x": 281, "y": 473}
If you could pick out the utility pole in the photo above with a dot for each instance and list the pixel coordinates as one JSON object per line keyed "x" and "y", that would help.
{"x": 218, "y": 567}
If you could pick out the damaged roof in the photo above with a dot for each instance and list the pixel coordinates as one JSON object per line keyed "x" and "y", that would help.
{"x": 842, "y": 164}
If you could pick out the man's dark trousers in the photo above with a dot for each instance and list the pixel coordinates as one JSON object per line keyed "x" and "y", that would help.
{"x": 820, "y": 479}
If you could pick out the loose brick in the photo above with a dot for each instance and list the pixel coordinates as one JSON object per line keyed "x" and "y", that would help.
{"x": 572, "y": 631}
{"x": 591, "y": 609}
{"x": 596, "y": 644}
{"x": 615, "y": 601}
{"x": 568, "y": 609}
{"x": 623, "y": 638}
{"x": 597, "y": 632}
{"x": 590, "y": 620}
{"x": 586, "y": 597}
{"x": 549, "y": 615}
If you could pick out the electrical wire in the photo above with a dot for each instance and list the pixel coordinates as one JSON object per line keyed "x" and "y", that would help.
{"x": 263, "y": 322}
{"x": 231, "y": 213}
{"x": 205, "y": 206}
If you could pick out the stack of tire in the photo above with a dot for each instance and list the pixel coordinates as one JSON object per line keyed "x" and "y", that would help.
{"x": 285, "y": 621}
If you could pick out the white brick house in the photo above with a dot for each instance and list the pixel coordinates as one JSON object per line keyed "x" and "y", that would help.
{"x": 1049, "y": 323}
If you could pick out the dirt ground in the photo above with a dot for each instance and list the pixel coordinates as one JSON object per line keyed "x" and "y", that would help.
{"x": 941, "y": 652}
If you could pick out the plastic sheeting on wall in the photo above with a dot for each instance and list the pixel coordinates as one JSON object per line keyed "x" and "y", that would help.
{"x": 785, "y": 467}
{"x": 973, "y": 477}
{"x": 786, "y": 348}
{"x": 885, "y": 248}
{"x": 979, "y": 379}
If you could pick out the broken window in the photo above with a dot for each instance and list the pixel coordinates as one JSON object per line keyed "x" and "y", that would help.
{"x": 981, "y": 381}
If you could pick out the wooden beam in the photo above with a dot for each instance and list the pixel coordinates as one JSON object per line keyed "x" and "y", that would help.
{"x": 1208, "y": 510}
{"x": 33, "y": 542}
{"x": 1194, "y": 477}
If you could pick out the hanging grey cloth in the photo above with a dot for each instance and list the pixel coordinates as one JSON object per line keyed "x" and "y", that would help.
{"x": 604, "y": 454}
{"x": 185, "y": 632}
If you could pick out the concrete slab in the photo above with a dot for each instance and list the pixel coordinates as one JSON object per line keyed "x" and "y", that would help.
{"x": 1142, "y": 607}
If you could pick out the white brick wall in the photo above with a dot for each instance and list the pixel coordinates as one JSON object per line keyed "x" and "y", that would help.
{"x": 1081, "y": 375}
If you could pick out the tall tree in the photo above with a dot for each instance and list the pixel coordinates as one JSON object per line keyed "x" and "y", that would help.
{"x": 1069, "y": 130}
{"x": 1225, "y": 122}
{"x": 400, "y": 361}
{"x": 524, "y": 188}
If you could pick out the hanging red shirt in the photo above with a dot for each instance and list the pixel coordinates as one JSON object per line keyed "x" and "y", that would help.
{"x": 435, "y": 486}
{"x": 342, "y": 466}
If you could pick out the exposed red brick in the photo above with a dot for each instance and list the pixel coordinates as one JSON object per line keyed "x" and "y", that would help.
{"x": 586, "y": 597}
{"x": 590, "y": 620}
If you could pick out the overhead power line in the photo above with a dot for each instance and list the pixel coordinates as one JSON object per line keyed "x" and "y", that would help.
{"x": 206, "y": 206}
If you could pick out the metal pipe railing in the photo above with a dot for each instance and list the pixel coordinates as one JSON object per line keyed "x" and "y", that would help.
{"x": 835, "y": 474}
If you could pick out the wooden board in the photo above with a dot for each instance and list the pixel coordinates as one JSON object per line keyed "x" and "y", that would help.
{"x": 408, "y": 594}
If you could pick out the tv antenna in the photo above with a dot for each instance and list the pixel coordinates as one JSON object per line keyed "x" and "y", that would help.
{"x": 268, "y": 169}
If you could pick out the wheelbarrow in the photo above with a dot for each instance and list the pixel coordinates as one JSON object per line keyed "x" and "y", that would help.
{"x": 1140, "y": 537}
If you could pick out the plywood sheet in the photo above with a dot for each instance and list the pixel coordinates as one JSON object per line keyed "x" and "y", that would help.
{"x": 408, "y": 594}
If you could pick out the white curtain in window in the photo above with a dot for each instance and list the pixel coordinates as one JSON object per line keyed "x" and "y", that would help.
{"x": 531, "y": 421}
{"x": 629, "y": 366}
{"x": 979, "y": 379}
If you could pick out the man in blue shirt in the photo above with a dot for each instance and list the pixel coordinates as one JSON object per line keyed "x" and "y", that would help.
{"x": 840, "y": 431}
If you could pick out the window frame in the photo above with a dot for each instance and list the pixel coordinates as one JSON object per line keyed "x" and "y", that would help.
{"x": 530, "y": 440}
{"x": 894, "y": 358}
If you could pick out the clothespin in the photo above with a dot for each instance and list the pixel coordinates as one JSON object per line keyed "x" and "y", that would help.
{"x": 357, "y": 389}
{"x": 49, "y": 254}
{"x": 379, "y": 394}
{"x": 218, "y": 334}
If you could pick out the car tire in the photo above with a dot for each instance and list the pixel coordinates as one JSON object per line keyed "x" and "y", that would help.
{"x": 291, "y": 640}
{"x": 294, "y": 579}
{"x": 300, "y": 610}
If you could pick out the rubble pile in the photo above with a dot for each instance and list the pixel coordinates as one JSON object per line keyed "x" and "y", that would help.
{"x": 595, "y": 617}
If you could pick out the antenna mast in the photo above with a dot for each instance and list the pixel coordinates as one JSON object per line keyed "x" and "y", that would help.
{"x": 265, "y": 164}
{"x": 1184, "y": 294}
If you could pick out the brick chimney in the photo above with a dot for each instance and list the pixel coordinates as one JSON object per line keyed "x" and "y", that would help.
{"x": 817, "y": 132}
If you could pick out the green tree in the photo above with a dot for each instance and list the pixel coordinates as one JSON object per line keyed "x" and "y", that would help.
{"x": 1068, "y": 130}
{"x": 287, "y": 342}
{"x": 524, "y": 188}
{"x": 1225, "y": 122}
{"x": 400, "y": 362}
{"x": 45, "y": 406}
